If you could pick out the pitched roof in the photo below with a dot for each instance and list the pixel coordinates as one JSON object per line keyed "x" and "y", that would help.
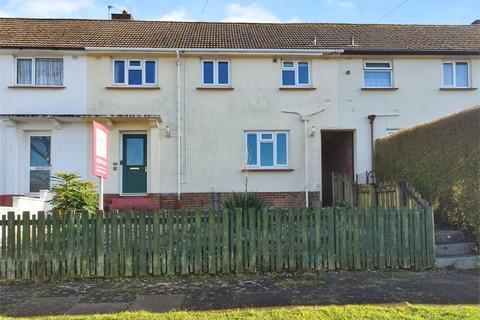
{"x": 369, "y": 38}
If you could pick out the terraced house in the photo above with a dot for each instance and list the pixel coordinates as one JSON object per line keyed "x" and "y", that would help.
{"x": 196, "y": 110}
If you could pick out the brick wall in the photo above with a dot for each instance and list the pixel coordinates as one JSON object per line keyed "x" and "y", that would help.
{"x": 202, "y": 200}
{"x": 6, "y": 200}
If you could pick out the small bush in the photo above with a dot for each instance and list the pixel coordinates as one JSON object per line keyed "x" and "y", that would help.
{"x": 73, "y": 194}
{"x": 442, "y": 160}
{"x": 245, "y": 201}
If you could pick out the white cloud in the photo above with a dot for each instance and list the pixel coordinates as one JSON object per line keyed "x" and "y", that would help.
{"x": 294, "y": 20}
{"x": 4, "y": 14}
{"x": 341, "y": 4}
{"x": 60, "y": 8}
{"x": 46, "y": 8}
{"x": 249, "y": 13}
{"x": 175, "y": 15}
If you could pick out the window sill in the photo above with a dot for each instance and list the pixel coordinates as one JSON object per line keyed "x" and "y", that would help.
{"x": 132, "y": 87}
{"x": 36, "y": 87}
{"x": 379, "y": 89}
{"x": 297, "y": 88}
{"x": 268, "y": 170}
{"x": 215, "y": 88}
{"x": 457, "y": 89}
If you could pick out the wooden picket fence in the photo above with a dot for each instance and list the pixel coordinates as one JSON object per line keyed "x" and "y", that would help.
{"x": 50, "y": 246}
{"x": 384, "y": 194}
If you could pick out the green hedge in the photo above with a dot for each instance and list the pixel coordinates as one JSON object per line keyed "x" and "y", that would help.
{"x": 442, "y": 160}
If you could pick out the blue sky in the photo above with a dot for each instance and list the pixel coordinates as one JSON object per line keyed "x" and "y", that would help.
{"x": 354, "y": 11}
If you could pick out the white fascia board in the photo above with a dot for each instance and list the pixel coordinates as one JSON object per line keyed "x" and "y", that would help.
{"x": 42, "y": 52}
{"x": 306, "y": 52}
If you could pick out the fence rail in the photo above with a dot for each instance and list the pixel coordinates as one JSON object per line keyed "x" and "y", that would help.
{"x": 45, "y": 246}
{"x": 385, "y": 194}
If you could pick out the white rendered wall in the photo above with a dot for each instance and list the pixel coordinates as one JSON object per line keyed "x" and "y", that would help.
{"x": 69, "y": 100}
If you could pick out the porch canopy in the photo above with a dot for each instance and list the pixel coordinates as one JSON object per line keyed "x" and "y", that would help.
{"x": 154, "y": 120}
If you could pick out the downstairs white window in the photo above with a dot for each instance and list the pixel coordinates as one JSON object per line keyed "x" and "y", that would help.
{"x": 266, "y": 149}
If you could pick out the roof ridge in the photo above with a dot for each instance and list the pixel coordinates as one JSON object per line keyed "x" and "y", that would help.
{"x": 239, "y": 23}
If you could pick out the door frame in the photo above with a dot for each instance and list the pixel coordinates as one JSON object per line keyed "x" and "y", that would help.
{"x": 122, "y": 133}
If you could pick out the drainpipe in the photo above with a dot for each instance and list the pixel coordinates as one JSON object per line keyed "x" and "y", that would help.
{"x": 305, "y": 124}
{"x": 179, "y": 187}
{"x": 371, "y": 119}
{"x": 305, "y": 119}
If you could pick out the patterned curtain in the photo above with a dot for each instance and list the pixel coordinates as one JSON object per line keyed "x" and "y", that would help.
{"x": 24, "y": 71}
{"x": 48, "y": 72}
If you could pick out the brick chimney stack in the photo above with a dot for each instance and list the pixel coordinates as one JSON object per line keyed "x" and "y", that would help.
{"x": 122, "y": 16}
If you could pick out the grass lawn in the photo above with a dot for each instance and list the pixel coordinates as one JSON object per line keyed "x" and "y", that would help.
{"x": 305, "y": 313}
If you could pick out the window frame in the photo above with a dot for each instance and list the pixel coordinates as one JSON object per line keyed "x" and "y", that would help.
{"x": 143, "y": 69}
{"x": 33, "y": 83}
{"x": 295, "y": 68}
{"x": 454, "y": 74}
{"x": 29, "y": 167}
{"x": 390, "y": 69}
{"x": 273, "y": 140}
{"x": 215, "y": 73}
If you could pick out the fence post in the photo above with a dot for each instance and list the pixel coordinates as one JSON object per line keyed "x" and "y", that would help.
{"x": 226, "y": 245}
{"x": 184, "y": 249}
{"x": 55, "y": 244}
{"x": 25, "y": 257}
{"x": 381, "y": 234}
{"x": 238, "y": 241}
{"x": 100, "y": 244}
{"x": 331, "y": 238}
{"x": 70, "y": 221}
{"x": 252, "y": 214}
{"x": 11, "y": 246}
{"x": 430, "y": 236}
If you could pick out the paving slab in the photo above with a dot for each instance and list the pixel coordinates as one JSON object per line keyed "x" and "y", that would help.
{"x": 263, "y": 299}
{"x": 158, "y": 303}
{"x": 97, "y": 308}
{"x": 40, "y": 307}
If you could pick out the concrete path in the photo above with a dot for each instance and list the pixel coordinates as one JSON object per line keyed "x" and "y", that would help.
{"x": 238, "y": 291}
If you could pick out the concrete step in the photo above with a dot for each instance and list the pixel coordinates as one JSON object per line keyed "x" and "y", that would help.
{"x": 449, "y": 236}
{"x": 458, "y": 262}
{"x": 454, "y": 249}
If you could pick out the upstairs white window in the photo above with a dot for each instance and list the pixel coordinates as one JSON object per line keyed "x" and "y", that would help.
{"x": 215, "y": 73}
{"x": 266, "y": 149}
{"x": 377, "y": 74}
{"x": 39, "y": 71}
{"x": 295, "y": 73}
{"x": 135, "y": 72}
{"x": 455, "y": 74}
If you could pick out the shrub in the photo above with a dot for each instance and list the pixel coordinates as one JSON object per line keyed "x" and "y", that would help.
{"x": 442, "y": 160}
{"x": 245, "y": 201}
{"x": 72, "y": 193}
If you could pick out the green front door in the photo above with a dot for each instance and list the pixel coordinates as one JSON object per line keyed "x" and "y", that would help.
{"x": 134, "y": 163}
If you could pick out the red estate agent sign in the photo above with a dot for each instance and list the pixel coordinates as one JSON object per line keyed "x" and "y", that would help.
{"x": 100, "y": 150}
{"x": 100, "y": 157}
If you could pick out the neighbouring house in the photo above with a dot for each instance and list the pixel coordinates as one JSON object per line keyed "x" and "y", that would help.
{"x": 191, "y": 106}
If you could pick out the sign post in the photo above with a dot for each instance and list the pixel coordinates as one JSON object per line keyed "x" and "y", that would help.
{"x": 100, "y": 157}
